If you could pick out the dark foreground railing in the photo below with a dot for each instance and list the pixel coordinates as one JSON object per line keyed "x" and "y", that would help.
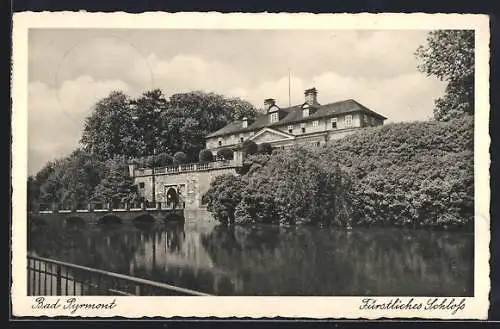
{"x": 48, "y": 277}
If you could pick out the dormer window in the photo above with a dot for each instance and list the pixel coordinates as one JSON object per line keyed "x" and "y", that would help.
{"x": 305, "y": 111}
{"x": 274, "y": 117}
{"x": 244, "y": 124}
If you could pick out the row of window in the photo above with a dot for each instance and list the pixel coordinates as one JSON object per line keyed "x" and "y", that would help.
{"x": 315, "y": 124}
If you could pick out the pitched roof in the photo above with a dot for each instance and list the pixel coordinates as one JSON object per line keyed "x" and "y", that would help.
{"x": 294, "y": 115}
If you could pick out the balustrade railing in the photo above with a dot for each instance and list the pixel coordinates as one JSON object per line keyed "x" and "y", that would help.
{"x": 186, "y": 167}
{"x": 104, "y": 207}
{"x": 48, "y": 277}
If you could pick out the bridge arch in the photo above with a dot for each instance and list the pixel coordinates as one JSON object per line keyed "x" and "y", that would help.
{"x": 35, "y": 220}
{"x": 75, "y": 222}
{"x": 144, "y": 219}
{"x": 109, "y": 219}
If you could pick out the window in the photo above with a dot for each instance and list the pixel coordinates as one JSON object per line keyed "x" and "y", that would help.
{"x": 318, "y": 143}
{"x": 334, "y": 123}
{"x": 245, "y": 124}
{"x": 305, "y": 112}
{"x": 241, "y": 139}
{"x": 290, "y": 129}
{"x": 220, "y": 141}
{"x": 315, "y": 123}
{"x": 274, "y": 117}
{"x": 348, "y": 120}
{"x": 372, "y": 121}
{"x": 366, "y": 119}
{"x": 141, "y": 185}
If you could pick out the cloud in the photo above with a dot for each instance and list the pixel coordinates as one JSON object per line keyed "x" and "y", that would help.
{"x": 71, "y": 70}
{"x": 56, "y": 116}
{"x": 404, "y": 97}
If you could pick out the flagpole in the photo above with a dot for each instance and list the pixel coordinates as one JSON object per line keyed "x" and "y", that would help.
{"x": 289, "y": 97}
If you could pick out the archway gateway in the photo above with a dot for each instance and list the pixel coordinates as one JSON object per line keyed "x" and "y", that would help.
{"x": 172, "y": 197}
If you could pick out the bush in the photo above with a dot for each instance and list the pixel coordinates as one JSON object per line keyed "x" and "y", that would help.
{"x": 226, "y": 154}
{"x": 223, "y": 196}
{"x": 163, "y": 159}
{"x": 292, "y": 187}
{"x": 410, "y": 174}
{"x": 407, "y": 174}
{"x": 158, "y": 160}
{"x": 249, "y": 147}
{"x": 205, "y": 156}
{"x": 264, "y": 148}
{"x": 180, "y": 158}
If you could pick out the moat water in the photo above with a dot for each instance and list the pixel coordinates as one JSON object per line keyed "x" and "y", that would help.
{"x": 267, "y": 260}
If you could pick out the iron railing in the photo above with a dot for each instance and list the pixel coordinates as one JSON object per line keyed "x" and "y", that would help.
{"x": 48, "y": 277}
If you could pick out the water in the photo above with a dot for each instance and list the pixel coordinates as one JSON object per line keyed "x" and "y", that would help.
{"x": 265, "y": 260}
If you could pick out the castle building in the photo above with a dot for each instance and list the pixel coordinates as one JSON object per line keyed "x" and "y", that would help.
{"x": 307, "y": 123}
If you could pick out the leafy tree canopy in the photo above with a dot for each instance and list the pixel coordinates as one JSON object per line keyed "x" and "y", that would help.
{"x": 449, "y": 55}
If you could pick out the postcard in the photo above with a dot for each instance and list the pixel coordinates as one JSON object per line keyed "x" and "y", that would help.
{"x": 323, "y": 166}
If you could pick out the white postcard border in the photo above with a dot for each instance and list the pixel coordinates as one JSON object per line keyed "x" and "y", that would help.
{"x": 303, "y": 307}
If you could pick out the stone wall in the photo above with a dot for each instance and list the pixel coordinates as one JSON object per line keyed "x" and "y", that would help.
{"x": 191, "y": 185}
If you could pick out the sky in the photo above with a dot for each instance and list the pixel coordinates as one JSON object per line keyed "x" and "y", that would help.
{"x": 69, "y": 70}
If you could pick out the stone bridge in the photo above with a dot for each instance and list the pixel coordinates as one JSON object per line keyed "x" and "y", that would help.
{"x": 82, "y": 218}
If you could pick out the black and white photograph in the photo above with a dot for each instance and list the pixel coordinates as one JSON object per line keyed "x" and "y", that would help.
{"x": 216, "y": 160}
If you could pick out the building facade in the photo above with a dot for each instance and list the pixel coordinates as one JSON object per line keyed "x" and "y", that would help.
{"x": 307, "y": 123}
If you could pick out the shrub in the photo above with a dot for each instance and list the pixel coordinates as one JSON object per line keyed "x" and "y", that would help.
{"x": 223, "y": 196}
{"x": 407, "y": 174}
{"x": 226, "y": 154}
{"x": 180, "y": 158}
{"x": 249, "y": 147}
{"x": 205, "y": 156}
{"x": 158, "y": 160}
{"x": 264, "y": 148}
{"x": 163, "y": 159}
{"x": 410, "y": 174}
{"x": 291, "y": 187}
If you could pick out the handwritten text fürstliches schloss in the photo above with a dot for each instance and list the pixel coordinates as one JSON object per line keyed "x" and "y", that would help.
{"x": 452, "y": 305}
{"x": 71, "y": 305}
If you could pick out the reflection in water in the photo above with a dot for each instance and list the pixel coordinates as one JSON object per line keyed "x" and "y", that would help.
{"x": 264, "y": 260}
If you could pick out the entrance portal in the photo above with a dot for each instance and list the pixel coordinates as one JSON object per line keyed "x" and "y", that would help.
{"x": 172, "y": 198}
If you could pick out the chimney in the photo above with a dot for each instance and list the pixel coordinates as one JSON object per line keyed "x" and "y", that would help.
{"x": 311, "y": 96}
{"x": 268, "y": 103}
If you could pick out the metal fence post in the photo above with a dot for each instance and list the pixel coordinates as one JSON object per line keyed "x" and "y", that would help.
{"x": 58, "y": 280}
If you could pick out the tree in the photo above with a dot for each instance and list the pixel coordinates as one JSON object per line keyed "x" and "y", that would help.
{"x": 449, "y": 55}
{"x": 223, "y": 196}
{"x": 193, "y": 115}
{"x": 180, "y": 158}
{"x": 264, "y": 148}
{"x": 225, "y": 154}
{"x": 147, "y": 111}
{"x": 206, "y": 156}
{"x": 110, "y": 129}
{"x": 249, "y": 147}
{"x": 117, "y": 186}
{"x": 70, "y": 180}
